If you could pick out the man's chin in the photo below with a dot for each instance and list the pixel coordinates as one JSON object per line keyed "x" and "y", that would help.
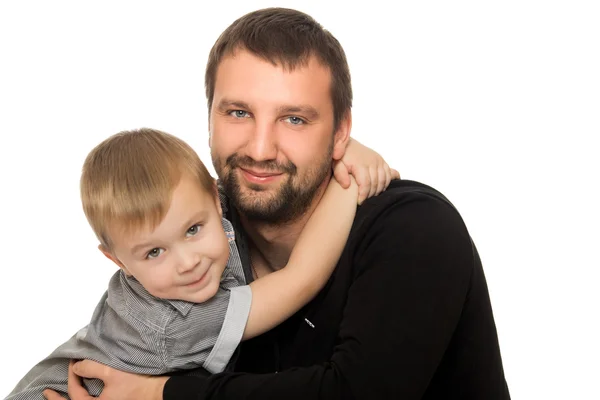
{"x": 253, "y": 188}
{"x": 277, "y": 203}
{"x": 258, "y": 201}
{"x": 263, "y": 205}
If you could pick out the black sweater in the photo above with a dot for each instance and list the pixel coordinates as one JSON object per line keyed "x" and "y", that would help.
{"x": 406, "y": 315}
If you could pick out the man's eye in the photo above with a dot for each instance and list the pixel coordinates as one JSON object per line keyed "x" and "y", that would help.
{"x": 155, "y": 252}
{"x": 193, "y": 230}
{"x": 238, "y": 113}
{"x": 295, "y": 120}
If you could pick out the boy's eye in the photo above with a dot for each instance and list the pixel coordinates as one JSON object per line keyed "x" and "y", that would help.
{"x": 155, "y": 252}
{"x": 193, "y": 230}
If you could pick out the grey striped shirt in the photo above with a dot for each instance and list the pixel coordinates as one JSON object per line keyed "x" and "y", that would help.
{"x": 133, "y": 331}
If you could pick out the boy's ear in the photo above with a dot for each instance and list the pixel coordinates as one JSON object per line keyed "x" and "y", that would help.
{"x": 108, "y": 254}
{"x": 342, "y": 136}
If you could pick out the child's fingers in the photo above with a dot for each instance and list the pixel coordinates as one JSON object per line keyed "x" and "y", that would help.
{"x": 374, "y": 174}
{"x": 382, "y": 180}
{"x": 341, "y": 174}
{"x": 388, "y": 175}
{"x": 363, "y": 180}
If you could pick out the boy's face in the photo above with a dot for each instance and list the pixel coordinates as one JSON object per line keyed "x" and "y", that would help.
{"x": 183, "y": 258}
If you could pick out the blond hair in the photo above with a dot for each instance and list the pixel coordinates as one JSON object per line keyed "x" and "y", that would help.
{"x": 128, "y": 180}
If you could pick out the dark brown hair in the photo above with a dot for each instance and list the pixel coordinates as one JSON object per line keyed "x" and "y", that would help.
{"x": 288, "y": 38}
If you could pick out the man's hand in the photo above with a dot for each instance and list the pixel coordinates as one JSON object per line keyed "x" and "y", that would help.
{"x": 118, "y": 385}
{"x": 371, "y": 172}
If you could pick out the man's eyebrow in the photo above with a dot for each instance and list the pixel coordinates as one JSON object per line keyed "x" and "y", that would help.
{"x": 226, "y": 104}
{"x": 309, "y": 111}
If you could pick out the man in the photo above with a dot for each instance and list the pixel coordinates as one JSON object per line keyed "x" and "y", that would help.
{"x": 405, "y": 315}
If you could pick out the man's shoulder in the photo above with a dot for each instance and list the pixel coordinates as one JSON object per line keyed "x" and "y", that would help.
{"x": 409, "y": 214}
{"x": 402, "y": 188}
{"x": 404, "y": 197}
{"x": 409, "y": 220}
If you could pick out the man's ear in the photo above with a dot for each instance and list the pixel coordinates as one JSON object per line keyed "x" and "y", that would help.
{"x": 342, "y": 136}
{"x": 108, "y": 254}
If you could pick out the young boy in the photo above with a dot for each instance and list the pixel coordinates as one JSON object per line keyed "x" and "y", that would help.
{"x": 179, "y": 300}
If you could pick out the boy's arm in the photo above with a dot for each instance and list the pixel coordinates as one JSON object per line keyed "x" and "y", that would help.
{"x": 280, "y": 294}
{"x": 418, "y": 266}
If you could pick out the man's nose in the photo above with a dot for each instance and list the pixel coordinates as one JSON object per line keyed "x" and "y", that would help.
{"x": 262, "y": 144}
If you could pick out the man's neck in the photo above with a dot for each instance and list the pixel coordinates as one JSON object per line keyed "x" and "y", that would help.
{"x": 271, "y": 244}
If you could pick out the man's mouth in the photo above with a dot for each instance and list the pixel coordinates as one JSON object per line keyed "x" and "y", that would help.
{"x": 257, "y": 176}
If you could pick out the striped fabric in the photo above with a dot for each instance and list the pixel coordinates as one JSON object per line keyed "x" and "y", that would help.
{"x": 133, "y": 331}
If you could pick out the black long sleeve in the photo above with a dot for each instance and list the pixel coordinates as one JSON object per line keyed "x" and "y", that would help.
{"x": 406, "y": 315}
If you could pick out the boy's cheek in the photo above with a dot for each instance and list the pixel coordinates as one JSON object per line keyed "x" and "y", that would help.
{"x": 156, "y": 286}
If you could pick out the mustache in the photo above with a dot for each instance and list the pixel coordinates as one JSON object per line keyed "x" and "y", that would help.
{"x": 236, "y": 161}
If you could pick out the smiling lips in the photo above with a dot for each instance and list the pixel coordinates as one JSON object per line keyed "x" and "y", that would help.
{"x": 260, "y": 177}
{"x": 200, "y": 281}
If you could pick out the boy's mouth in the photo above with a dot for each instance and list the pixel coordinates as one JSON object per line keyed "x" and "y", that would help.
{"x": 201, "y": 280}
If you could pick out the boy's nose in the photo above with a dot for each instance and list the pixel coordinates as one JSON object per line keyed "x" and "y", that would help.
{"x": 187, "y": 262}
{"x": 185, "y": 267}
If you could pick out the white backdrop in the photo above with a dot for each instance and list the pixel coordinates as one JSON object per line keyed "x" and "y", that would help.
{"x": 496, "y": 105}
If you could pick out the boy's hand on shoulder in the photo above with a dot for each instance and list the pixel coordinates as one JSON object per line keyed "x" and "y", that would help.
{"x": 369, "y": 169}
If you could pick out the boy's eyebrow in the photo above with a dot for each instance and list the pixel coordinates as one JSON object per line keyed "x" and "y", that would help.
{"x": 138, "y": 247}
{"x": 196, "y": 218}
{"x": 200, "y": 216}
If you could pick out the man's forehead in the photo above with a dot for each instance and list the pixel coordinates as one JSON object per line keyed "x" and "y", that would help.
{"x": 288, "y": 63}
{"x": 246, "y": 63}
{"x": 245, "y": 78}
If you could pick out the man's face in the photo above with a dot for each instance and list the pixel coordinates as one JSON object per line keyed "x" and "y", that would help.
{"x": 271, "y": 135}
{"x": 183, "y": 257}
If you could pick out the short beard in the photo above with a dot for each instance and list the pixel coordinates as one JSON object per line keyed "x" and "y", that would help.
{"x": 292, "y": 199}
